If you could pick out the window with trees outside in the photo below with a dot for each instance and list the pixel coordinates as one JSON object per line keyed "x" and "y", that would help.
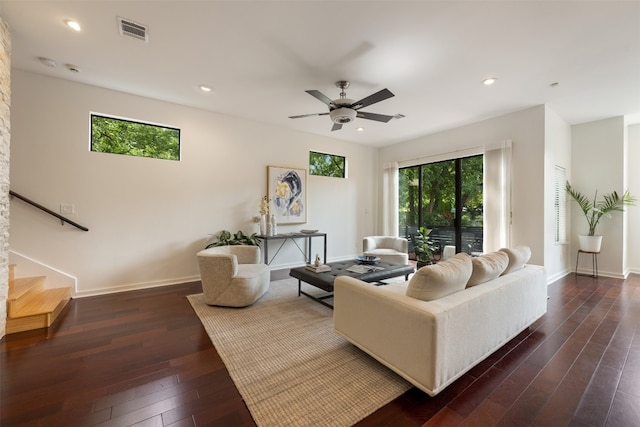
{"x": 133, "y": 138}
{"x": 446, "y": 197}
{"x": 327, "y": 165}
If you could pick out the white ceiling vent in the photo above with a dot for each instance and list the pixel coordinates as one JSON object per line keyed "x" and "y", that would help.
{"x": 133, "y": 29}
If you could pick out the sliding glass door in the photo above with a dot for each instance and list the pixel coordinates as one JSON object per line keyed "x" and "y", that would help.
{"x": 431, "y": 195}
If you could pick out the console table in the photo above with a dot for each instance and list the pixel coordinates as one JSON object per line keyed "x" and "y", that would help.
{"x": 284, "y": 238}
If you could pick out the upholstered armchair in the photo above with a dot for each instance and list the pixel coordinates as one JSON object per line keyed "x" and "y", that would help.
{"x": 387, "y": 248}
{"x": 232, "y": 276}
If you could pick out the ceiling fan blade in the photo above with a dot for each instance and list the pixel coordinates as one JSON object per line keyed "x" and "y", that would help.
{"x": 372, "y": 99}
{"x": 322, "y": 97}
{"x": 336, "y": 126}
{"x": 308, "y": 115}
{"x": 374, "y": 116}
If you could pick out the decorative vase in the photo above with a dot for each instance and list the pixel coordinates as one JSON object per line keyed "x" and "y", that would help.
{"x": 590, "y": 243}
{"x": 274, "y": 225}
{"x": 263, "y": 224}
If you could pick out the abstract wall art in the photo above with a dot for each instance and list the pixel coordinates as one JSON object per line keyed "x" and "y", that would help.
{"x": 287, "y": 189}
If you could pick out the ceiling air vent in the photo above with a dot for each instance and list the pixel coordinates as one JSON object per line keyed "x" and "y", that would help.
{"x": 132, "y": 29}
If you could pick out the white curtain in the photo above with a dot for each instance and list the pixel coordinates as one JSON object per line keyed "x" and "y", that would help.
{"x": 497, "y": 196}
{"x": 390, "y": 200}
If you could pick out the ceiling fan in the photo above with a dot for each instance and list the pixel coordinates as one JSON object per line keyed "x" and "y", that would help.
{"x": 345, "y": 110}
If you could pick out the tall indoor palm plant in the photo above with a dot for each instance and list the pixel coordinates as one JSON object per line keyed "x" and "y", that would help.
{"x": 595, "y": 209}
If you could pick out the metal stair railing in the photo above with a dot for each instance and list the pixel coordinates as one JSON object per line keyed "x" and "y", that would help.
{"x": 49, "y": 211}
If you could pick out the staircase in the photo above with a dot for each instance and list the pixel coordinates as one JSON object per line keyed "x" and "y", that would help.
{"x": 30, "y": 306}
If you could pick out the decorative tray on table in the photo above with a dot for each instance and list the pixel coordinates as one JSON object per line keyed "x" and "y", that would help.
{"x": 367, "y": 259}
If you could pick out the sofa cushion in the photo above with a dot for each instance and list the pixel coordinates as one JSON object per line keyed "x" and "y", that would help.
{"x": 518, "y": 257}
{"x": 487, "y": 267}
{"x": 438, "y": 280}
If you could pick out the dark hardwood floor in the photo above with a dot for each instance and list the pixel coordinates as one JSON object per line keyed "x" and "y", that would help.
{"x": 142, "y": 358}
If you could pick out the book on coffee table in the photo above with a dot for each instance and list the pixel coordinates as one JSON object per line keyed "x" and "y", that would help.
{"x": 361, "y": 269}
{"x": 319, "y": 269}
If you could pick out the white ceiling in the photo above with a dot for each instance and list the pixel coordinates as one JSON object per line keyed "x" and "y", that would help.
{"x": 260, "y": 56}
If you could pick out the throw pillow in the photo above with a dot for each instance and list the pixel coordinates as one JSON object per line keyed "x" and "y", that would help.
{"x": 441, "y": 279}
{"x": 487, "y": 267}
{"x": 518, "y": 257}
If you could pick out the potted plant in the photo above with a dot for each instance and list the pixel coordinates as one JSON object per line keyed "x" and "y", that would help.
{"x": 225, "y": 239}
{"x": 595, "y": 209}
{"x": 423, "y": 247}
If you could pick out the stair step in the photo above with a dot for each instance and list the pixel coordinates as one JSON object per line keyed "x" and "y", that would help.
{"x": 21, "y": 291}
{"x": 40, "y": 312}
{"x": 19, "y": 288}
{"x": 42, "y": 303}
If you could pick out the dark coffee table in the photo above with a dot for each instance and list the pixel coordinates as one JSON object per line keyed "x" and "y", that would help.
{"x": 325, "y": 280}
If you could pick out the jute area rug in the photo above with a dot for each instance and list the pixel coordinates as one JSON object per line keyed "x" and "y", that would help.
{"x": 289, "y": 365}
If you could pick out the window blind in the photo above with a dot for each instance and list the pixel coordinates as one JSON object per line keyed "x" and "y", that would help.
{"x": 560, "y": 204}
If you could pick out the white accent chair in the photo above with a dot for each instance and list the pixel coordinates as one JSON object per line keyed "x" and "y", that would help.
{"x": 390, "y": 249}
{"x": 232, "y": 276}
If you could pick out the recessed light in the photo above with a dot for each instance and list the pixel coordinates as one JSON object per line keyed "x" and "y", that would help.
{"x": 205, "y": 88}
{"x": 360, "y": 129}
{"x": 73, "y": 24}
{"x": 489, "y": 81}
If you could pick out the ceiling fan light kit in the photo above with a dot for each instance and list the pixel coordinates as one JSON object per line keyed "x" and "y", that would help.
{"x": 343, "y": 115}
{"x": 344, "y": 110}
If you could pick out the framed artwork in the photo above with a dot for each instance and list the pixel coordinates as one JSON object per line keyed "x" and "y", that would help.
{"x": 287, "y": 189}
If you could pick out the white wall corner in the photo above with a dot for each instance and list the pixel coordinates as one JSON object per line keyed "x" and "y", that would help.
{"x": 598, "y": 159}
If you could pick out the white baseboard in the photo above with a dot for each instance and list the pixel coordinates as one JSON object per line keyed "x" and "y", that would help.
{"x": 136, "y": 286}
{"x": 558, "y": 276}
{"x": 589, "y": 272}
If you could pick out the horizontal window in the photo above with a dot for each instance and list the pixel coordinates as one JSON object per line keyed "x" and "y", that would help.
{"x": 327, "y": 165}
{"x": 133, "y": 138}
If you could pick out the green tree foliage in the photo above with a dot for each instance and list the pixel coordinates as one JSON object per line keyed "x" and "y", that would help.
{"x": 326, "y": 165}
{"x": 408, "y": 196}
{"x": 472, "y": 196}
{"x": 434, "y": 186}
{"x": 109, "y": 135}
{"x": 438, "y": 194}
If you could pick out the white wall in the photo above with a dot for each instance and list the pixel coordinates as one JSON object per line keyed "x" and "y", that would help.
{"x": 526, "y": 131}
{"x": 598, "y": 159}
{"x": 148, "y": 217}
{"x": 633, "y": 181}
{"x": 557, "y": 152}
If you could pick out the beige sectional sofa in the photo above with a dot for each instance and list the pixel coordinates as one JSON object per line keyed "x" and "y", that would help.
{"x": 432, "y": 343}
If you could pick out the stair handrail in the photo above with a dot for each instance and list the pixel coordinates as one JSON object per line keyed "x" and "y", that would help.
{"x": 49, "y": 211}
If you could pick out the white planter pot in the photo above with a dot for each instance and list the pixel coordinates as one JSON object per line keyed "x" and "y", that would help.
{"x": 590, "y": 243}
